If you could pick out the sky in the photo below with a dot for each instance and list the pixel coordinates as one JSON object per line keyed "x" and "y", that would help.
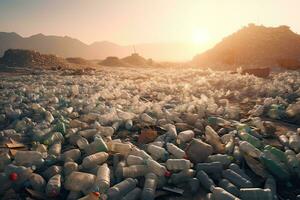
{"x": 202, "y": 23}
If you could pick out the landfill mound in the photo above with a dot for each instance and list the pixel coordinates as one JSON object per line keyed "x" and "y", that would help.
{"x": 134, "y": 60}
{"x": 113, "y": 61}
{"x": 146, "y": 133}
{"x": 78, "y": 61}
{"x": 30, "y": 58}
{"x": 254, "y": 47}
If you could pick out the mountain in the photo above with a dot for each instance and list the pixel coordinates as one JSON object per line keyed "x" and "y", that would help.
{"x": 254, "y": 47}
{"x": 70, "y": 47}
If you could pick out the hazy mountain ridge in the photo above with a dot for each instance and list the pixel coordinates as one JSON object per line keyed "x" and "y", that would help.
{"x": 254, "y": 46}
{"x": 70, "y": 47}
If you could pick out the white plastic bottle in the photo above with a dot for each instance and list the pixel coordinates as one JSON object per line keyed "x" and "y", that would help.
{"x": 121, "y": 148}
{"x": 102, "y": 182}
{"x": 93, "y": 160}
{"x": 79, "y": 181}
{"x": 157, "y": 153}
{"x": 186, "y": 136}
{"x": 176, "y": 151}
{"x": 135, "y": 160}
{"x": 156, "y": 168}
{"x": 178, "y": 164}
{"x": 150, "y": 185}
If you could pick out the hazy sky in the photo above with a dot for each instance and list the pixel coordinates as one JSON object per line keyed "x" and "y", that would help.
{"x": 125, "y": 22}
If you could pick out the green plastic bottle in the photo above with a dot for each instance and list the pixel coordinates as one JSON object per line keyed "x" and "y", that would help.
{"x": 280, "y": 155}
{"x": 251, "y": 139}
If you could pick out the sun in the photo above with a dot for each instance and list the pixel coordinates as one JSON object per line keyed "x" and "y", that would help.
{"x": 200, "y": 36}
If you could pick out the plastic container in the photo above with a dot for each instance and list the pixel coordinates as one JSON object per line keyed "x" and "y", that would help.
{"x": 150, "y": 185}
{"x": 79, "y": 181}
{"x": 29, "y": 158}
{"x": 251, "y": 139}
{"x": 37, "y": 182}
{"x": 236, "y": 179}
{"x": 186, "y": 136}
{"x": 135, "y": 160}
{"x": 102, "y": 182}
{"x": 156, "y": 168}
{"x": 238, "y": 170}
{"x": 175, "y": 151}
{"x": 70, "y": 167}
{"x": 134, "y": 194}
{"x": 249, "y": 149}
{"x": 71, "y": 155}
{"x": 229, "y": 187}
{"x": 212, "y": 167}
{"x": 256, "y": 193}
{"x": 52, "y": 171}
{"x": 224, "y": 159}
{"x": 221, "y": 194}
{"x": 157, "y": 153}
{"x": 214, "y": 140}
{"x": 134, "y": 171}
{"x": 51, "y": 138}
{"x": 178, "y": 164}
{"x": 55, "y": 149}
{"x": 54, "y": 186}
{"x": 121, "y": 148}
{"x": 182, "y": 176}
{"x": 93, "y": 160}
{"x": 198, "y": 151}
{"x": 121, "y": 189}
{"x": 98, "y": 145}
{"x": 205, "y": 181}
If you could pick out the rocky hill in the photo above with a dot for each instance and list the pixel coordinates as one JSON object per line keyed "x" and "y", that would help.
{"x": 254, "y": 47}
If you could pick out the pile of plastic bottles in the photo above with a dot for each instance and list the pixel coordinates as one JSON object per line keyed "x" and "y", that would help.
{"x": 81, "y": 135}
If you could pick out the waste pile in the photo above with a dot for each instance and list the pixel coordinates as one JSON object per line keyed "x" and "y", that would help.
{"x": 150, "y": 133}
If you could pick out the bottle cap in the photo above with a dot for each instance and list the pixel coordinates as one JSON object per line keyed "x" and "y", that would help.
{"x": 168, "y": 174}
{"x": 13, "y": 176}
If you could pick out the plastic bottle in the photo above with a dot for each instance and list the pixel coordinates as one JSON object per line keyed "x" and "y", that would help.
{"x": 70, "y": 167}
{"x": 237, "y": 154}
{"x": 121, "y": 189}
{"x": 194, "y": 185}
{"x": 146, "y": 118}
{"x": 238, "y": 170}
{"x": 156, "y": 168}
{"x": 236, "y": 179}
{"x": 134, "y": 194}
{"x": 71, "y": 155}
{"x": 214, "y": 139}
{"x": 79, "y": 181}
{"x": 106, "y": 131}
{"x": 294, "y": 142}
{"x": 256, "y": 193}
{"x": 55, "y": 149}
{"x": 171, "y": 131}
{"x": 218, "y": 121}
{"x": 135, "y": 160}
{"x": 141, "y": 153}
{"x": 88, "y": 133}
{"x": 93, "y": 160}
{"x": 178, "y": 164}
{"x": 134, "y": 171}
{"x": 52, "y": 171}
{"x": 221, "y": 194}
{"x": 205, "y": 181}
{"x": 271, "y": 185}
{"x": 150, "y": 185}
{"x": 249, "y": 149}
{"x": 128, "y": 124}
{"x": 53, "y": 137}
{"x": 198, "y": 151}
{"x": 251, "y": 139}
{"x": 157, "y": 153}
{"x": 102, "y": 182}
{"x": 224, "y": 159}
{"x": 186, "y": 136}
{"x": 175, "y": 151}
{"x": 229, "y": 187}
{"x": 283, "y": 140}
{"x": 29, "y": 158}
{"x": 53, "y": 186}
{"x": 212, "y": 167}
{"x": 182, "y": 176}
{"x": 280, "y": 155}
{"x": 82, "y": 143}
{"x": 37, "y": 182}
{"x": 98, "y": 145}
{"x": 121, "y": 148}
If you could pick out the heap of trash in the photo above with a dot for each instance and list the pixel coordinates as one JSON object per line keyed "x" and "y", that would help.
{"x": 131, "y": 134}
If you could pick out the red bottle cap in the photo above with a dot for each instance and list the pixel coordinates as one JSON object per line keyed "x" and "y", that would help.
{"x": 13, "y": 176}
{"x": 168, "y": 174}
{"x": 97, "y": 194}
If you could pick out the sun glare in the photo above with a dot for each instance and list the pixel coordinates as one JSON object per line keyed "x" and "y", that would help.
{"x": 200, "y": 36}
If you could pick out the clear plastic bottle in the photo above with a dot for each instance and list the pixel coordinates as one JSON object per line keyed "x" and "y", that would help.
{"x": 135, "y": 160}
{"x": 212, "y": 167}
{"x": 186, "y": 136}
{"x": 93, "y": 160}
{"x": 256, "y": 193}
{"x": 205, "y": 181}
{"x": 141, "y": 153}
{"x": 106, "y": 131}
{"x": 156, "y": 168}
{"x": 102, "y": 182}
{"x": 178, "y": 164}
{"x": 51, "y": 138}
{"x": 222, "y": 158}
{"x": 79, "y": 181}
{"x": 157, "y": 153}
{"x": 121, "y": 189}
{"x": 134, "y": 194}
{"x": 221, "y": 194}
{"x": 182, "y": 176}
{"x": 70, "y": 167}
{"x": 134, "y": 171}
{"x": 71, "y": 155}
{"x": 283, "y": 140}
{"x": 82, "y": 143}
{"x": 52, "y": 171}
{"x": 53, "y": 186}
{"x": 249, "y": 149}
{"x": 175, "y": 151}
{"x": 238, "y": 170}
{"x": 55, "y": 149}
{"x": 198, "y": 151}
{"x": 150, "y": 185}
{"x": 171, "y": 131}
{"x": 214, "y": 139}
{"x": 29, "y": 158}
{"x": 98, "y": 145}
{"x": 88, "y": 133}
{"x": 37, "y": 182}
{"x": 121, "y": 148}
{"x": 146, "y": 118}
{"x": 236, "y": 179}
{"x": 294, "y": 142}
{"x": 229, "y": 187}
